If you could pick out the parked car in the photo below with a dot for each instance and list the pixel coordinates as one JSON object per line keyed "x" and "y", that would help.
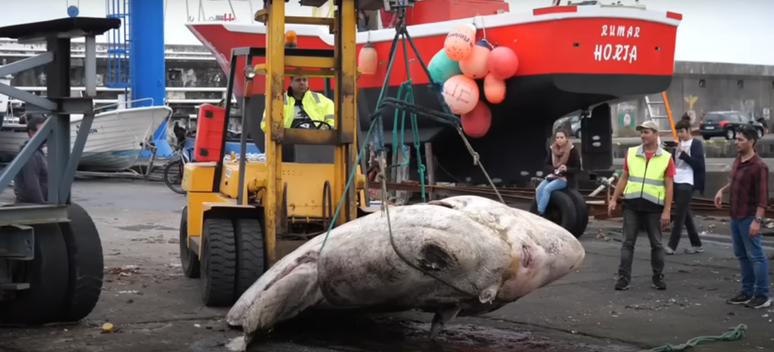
{"x": 725, "y": 124}
{"x": 575, "y": 125}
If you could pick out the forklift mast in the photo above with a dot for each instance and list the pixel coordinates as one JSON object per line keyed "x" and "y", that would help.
{"x": 340, "y": 63}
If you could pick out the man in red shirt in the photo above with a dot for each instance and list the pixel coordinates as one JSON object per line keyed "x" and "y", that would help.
{"x": 647, "y": 190}
{"x": 749, "y": 197}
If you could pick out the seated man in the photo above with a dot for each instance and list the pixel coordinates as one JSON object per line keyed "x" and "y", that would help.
{"x": 31, "y": 183}
{"x": 302, "y": 104}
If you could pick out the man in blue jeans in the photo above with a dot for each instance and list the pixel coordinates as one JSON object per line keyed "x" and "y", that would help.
{"x": 749, "y": 195}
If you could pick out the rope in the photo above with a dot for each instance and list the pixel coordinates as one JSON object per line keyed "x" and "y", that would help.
{"x": 408, "y": 97}
{"x": 403, "y": 104}
{"x": 734, "y": 334}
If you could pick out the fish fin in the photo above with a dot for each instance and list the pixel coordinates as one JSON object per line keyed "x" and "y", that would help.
{"x": 442, "y": 317}
{"x": 284, "y": 299}
{"x": 488, "y": 295}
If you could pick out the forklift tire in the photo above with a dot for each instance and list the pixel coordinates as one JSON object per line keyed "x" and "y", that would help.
{"x": 48, "y": 276}
{"x": 218, "y": 263}
{"x": 561, "y": 210}
{"x": 582, "y": 212}
{"x": 251, "y": 258}
{"x": 188, "y": 258}
{"x": 87, "y": 265}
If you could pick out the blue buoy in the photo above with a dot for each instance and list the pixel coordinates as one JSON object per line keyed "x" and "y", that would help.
{"x": 72, "y": 11}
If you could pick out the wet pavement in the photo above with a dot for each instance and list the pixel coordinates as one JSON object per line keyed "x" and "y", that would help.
{"x": 154, "y": 308}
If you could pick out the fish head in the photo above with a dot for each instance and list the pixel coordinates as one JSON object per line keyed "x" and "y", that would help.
{"x": 541, "y": 251}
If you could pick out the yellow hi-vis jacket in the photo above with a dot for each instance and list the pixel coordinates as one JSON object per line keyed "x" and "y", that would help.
{"x": 646, "y": 178}
{"x": 316, "y": 105}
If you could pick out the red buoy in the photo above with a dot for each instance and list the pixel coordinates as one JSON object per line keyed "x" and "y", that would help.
{"x": 502, "y": 62}
{"x": 476, "y": 123}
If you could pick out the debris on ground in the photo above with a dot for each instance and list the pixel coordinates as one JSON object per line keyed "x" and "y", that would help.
{"x": 602, "y": 236}
{"x": 126, "y": 270}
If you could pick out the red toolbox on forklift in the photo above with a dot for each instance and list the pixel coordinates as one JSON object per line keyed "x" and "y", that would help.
{"x": 209, "y": 133}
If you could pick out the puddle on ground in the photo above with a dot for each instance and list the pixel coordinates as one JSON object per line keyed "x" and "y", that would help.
{"x": 383, "y": 334}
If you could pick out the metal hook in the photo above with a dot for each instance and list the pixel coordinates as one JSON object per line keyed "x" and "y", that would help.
{"x": 483, "y": 29}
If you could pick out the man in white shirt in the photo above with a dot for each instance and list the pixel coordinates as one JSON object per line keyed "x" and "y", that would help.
{"x": 689, "y": 162}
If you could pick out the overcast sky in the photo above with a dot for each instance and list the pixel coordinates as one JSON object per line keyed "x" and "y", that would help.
{"x": 712, "y": 30}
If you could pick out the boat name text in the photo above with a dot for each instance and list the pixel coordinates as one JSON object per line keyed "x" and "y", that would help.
{"x": 78, "y": 129}
{"x": 620, "y": 31}
{"x": 615, "y": 52}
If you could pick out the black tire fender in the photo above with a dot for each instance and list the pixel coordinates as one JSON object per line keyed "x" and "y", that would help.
{"x": 87, "y": 263}
{"x": 48, "y": 276}
{"x": 188, "y": 258}
{"x": 218, "y": 263}
{"x": 250, "y": 250}
{"x": 581, "y": 211}
{"x": 561, "y": 210}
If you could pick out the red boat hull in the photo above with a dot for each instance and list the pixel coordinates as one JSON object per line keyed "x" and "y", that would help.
{"x": 556, "y": 40}
{"x": 570, "y": 58}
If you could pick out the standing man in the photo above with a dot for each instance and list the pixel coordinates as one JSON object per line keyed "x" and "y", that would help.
{"x": 749, "y": 194}
{"x": 31, "y": 183}
{"x": 689, "y": 161}
{"x": 646, "y": 186}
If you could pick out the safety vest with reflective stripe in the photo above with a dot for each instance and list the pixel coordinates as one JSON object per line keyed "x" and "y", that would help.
{"x": 317, "y": 106}
{"x": 646, "y": 178}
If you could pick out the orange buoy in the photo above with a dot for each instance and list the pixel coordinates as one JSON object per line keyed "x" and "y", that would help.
{"x": 503, "y": 62}
{"x": 476, "y": 123}
{"x": 459, "y": 42}
{"x": 475, "y": 66}
{"x": 494, "y": 89}
{"x": 367, "y": 60}
{"x": 461, "y": 94}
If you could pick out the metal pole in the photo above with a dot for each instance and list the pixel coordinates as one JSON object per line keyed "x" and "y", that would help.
{"x": 90, "y": 66}
{"x": 243, "y": 147}
{"x": 90, "y": 75}
{"x": 430, "y": 162}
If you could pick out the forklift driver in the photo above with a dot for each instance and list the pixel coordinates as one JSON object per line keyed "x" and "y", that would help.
{"x": 303, "y": 107}
{"x": 31, "y": 183}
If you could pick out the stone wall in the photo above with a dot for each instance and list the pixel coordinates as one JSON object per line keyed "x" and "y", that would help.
{"x": 700, "y": 87}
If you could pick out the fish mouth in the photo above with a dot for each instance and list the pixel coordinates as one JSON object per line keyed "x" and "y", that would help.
{"x": 527, "y": 261}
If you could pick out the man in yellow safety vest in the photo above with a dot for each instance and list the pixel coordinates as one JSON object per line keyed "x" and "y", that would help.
{"x": 301, "y": 104}
{"x": 646, "y": 186}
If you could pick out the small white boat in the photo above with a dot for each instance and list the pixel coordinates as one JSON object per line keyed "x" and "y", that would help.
{"x": 115, "y": 140}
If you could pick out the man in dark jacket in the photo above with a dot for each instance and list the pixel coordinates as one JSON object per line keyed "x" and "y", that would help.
{"x": 690, "y": 176}
{"x": 31, "y": 183}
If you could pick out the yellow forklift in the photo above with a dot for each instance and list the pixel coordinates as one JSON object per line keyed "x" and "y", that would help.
{"x": 243, "y": 215}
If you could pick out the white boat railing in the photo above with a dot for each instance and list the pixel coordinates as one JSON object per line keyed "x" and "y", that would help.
{"x": 125, "y": 103}
{"x": 82, "y": 51}
{"x": 104, "y": 56}
{"x": 13, "y": 122}
{"x": 169, "y": 101}
{"x": 106, "y": 89}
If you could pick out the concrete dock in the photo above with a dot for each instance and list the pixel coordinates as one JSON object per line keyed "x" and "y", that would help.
{"x": 154, "y": 308}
